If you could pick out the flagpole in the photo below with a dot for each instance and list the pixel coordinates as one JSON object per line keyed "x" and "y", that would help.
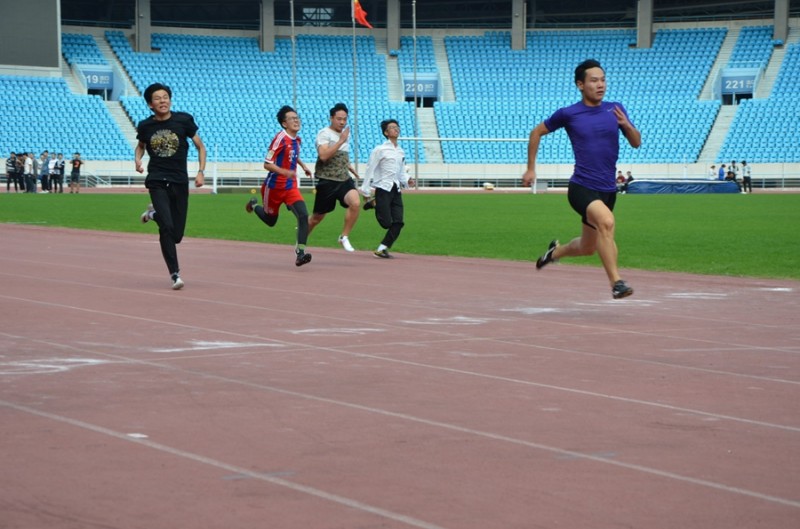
{"x": 294, "y": 60}
{"x": 354, "y": 125}
{"x": 416, "y": 106}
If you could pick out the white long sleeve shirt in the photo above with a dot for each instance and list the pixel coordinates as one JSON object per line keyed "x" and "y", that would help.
{"x": 386, "y": 167}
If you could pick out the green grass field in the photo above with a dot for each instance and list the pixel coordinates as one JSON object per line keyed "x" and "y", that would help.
{"x": 734, "y": 235}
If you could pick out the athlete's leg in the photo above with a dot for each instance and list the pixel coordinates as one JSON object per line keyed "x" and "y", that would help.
{"x": 269, "y": 220}
{"x": 313, "y": 220}
{"x": 353, "y": 201}
{"x": 301, "y": 212}
{"x": 602, "y": 218}
{"x": 159, "y": 196}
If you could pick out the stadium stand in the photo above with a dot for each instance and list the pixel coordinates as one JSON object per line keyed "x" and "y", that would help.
{"x": 659, "y": 87}
{"x": 81, "y": 49}
{"x": 764, "y": 130}
{"x": 242, "y": 88}
{"x": 426, "y": 60}
{"x": 753, "y": 47}
{"x": 38, "y": 113}
{"x": 234, "y": 91}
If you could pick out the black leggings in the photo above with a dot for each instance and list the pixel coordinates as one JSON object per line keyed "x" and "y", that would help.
{"x": 300, "y": 211}
{"x": 171, "y": 202}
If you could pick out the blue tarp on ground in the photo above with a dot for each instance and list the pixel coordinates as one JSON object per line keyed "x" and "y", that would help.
{"x": 681, "y": 186}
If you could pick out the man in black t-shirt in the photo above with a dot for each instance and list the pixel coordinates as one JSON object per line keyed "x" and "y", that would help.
{"x": 75, "y": 175}
{"x": 164, "y": 136}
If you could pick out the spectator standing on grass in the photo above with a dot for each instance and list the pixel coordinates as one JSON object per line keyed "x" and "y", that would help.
{"x": 21, "y": 171}
{"x": 333, "y": 169}
{"x": 30, "y": 175}
{"x": 281, "y": 185}
{"x": 59, "y": 174}
{"x": 386, "y": 173}
{"x": 52, "y": 174}
{"x": 11, "y": 173}
{"x": 43, "y": 171}
{"x": 75, "y": 176}
{"x": 593, "y": 127}
{"x": 747, "y": 182}
{"x": 164, "y": 136}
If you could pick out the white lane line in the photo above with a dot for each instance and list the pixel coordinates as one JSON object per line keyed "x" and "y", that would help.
{"x": 232, "y": 469}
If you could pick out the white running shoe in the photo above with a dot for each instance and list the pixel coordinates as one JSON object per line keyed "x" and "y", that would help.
{"x": 345, "y": 242}
{"x": 148, "y": 214}
{"x": 177, "y": 282}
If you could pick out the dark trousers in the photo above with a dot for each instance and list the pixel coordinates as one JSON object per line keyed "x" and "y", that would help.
{"x": 30, "y": 183}
{"x": 57, "y": 182}
{"x": 747, "y": 184}
{"x": 171, "y": 202}
{"x": 12, "y": 177}
{"x": 389, "y": 212}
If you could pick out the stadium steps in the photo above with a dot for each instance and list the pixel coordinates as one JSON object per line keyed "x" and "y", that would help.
{"x": 428, "y": 129}
{"x": 393, "y": 78}
{"x": 442, "y": 63}
{"x": 764, "y": 88}
{"x": 71, "y": 79}
{"x": 123, "y": 121}
{"x": 717, "y": 135}
{"x": 723, "y": 57}
{"x": 111, "y": 57}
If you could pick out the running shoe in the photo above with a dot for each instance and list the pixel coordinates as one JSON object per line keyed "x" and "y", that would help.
{"x": 251, "y": 204}
{"x": 383, "y": 254}
{"x": 177, "y": 282}
{"x": 621, "y": 290}
{"x": 547, "y": 258}
{"x": 369, "y": 204}
{"x": 302, "y": 258}
{"x": 148, "y": 214}
{"x": 345, "y": 242}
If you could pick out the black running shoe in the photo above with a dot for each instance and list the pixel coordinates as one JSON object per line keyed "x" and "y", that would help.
{"x": 383, "y": 254}
{"x": 621, "y": 290}
{"x": 547, "y": 258}
{"x": 250, "y": 205}
{"x": 302, "y": 258}
{"x": 369, "y": 204}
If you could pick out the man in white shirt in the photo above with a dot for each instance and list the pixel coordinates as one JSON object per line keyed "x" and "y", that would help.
{"x": 386, "y": 173}
{"x": 30, "y": 177}
{"x": 334, "y": 184}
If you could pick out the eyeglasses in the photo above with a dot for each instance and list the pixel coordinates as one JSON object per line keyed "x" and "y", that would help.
{"x": 293, "y": 118}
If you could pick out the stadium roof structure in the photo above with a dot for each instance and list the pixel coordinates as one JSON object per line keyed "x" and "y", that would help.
{"x": 244, "y": 14}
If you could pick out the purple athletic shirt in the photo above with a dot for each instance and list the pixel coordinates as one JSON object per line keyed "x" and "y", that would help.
{"x": 594, "y": 133}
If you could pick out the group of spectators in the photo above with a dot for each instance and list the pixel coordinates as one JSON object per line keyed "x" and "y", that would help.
{"x": 45, "y": 173}
{"x": 623, "y": 182}
{"x": 738, "y": 174}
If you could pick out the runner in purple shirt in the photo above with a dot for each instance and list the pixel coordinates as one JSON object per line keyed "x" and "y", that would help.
{"x": 593, "y": 127}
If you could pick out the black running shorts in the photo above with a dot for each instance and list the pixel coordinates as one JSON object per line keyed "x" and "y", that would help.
{"x": 329, "y": 192}
{"x": 580, "y": 197}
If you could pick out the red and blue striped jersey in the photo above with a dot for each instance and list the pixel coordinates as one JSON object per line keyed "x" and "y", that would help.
{"x": 283, "y": 152}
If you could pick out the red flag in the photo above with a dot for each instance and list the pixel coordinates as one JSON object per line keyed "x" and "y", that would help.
{"x": 360, "y": 14}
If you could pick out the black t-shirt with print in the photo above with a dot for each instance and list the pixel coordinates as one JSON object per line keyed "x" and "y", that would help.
{"x": 168, "y": 147}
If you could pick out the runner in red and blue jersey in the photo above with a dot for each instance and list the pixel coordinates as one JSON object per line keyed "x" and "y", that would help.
{"x": 281, "y": 185}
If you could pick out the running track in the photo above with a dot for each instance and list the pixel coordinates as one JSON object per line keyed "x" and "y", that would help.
{"x": 357, "y": 393}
